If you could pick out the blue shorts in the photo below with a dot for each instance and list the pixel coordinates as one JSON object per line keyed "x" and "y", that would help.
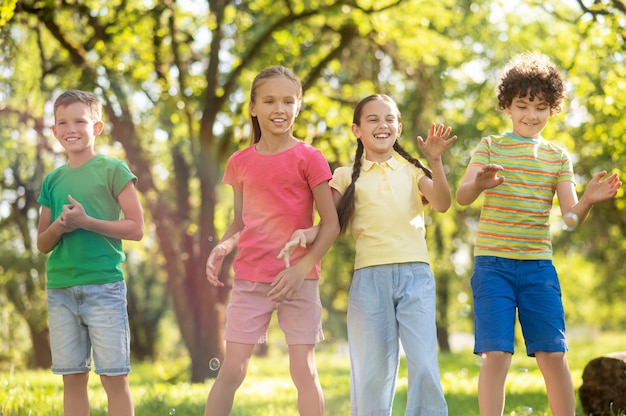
{"x": 82, "y": 317}
{"x": 501, "y": 287}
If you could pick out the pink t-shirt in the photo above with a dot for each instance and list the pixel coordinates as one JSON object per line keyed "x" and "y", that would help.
{"x": 277, "y": 200}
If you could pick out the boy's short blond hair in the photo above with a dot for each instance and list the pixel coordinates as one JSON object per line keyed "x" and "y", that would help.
{"x": 77, "y": 96}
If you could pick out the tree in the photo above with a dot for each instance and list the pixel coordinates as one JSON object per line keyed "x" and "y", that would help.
{"x": 21, "y": 265}
{"x": 598, "y": 131}
{"x": 168, "y": 84}
{"x": 174, "y": 78}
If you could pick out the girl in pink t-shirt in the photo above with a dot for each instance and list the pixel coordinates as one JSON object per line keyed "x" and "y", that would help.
{"x": 277, "y": 182}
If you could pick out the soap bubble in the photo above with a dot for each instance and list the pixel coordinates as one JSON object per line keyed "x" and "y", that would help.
{"x": 172, "y": 412}
{"x": 570, "y": 221}
{"x": 214, "y": 364}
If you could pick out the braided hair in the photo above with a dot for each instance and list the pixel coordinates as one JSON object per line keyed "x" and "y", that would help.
{"x": 345, "y": 210}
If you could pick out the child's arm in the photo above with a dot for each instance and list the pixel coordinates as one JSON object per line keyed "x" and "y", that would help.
{"x": 227, "y": 244}
{"x": 289, "y": 281}
{"x": 436, "y": 190}
{"x": 49, "y": 233}
{"x": 597, "y": 190}
{"x": 299, "y": 238}
{"x": 304, "y": 237}
{"x": 476, "y": 180}
{"x": 216, "y": 258}
{"x": 130, "y": 227}
{"x": 74, "y": 216}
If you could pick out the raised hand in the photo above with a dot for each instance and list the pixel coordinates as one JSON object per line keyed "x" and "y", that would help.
{"x": 598, "y": 190}
{"x": 437, "y": 141}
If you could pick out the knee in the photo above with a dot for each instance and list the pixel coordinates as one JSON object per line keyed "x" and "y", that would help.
{"x": 232, "y": 376}
{"x": 76, "y": 380}
{"x": 551, "y": 359}
{"x": 544, "y": 355}
{"x": 496, "y": 357}
{"x": 304, "y": 377}
{"x": 115, "y": 384}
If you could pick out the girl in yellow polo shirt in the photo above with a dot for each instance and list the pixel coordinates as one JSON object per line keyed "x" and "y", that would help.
{"x": 392, "y": 295}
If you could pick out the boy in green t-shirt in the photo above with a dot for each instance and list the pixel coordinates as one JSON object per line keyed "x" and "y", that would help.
{"x": 89, "y": 205}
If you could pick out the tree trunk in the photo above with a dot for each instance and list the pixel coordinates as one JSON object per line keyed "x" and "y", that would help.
{"x": 603, "y": 391}
{"x": 199, "y": 308}
{"x": 199, "y": 311}
{"x": 442, "y": 278}
{"x": 443, "y": 296}
{"x": 42, "y": 357}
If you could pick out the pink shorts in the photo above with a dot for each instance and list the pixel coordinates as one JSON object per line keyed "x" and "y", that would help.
{"x": 250, "y": 310}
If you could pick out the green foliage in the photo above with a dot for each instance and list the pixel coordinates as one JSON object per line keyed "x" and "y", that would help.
{"x": 175, "y": 81}
{"x": 7, "y": 8}
{"x": 159, "y": 388}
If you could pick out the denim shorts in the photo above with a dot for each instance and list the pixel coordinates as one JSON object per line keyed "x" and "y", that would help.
{"x": 86, "y": 317}
{"x": 501, "y": 288}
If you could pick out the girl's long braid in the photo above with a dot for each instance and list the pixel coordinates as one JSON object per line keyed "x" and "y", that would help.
{"x": 414, "y": 161}
{"x": 345, "y": 210}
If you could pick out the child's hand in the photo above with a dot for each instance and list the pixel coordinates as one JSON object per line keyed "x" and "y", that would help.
{"x": 63, "y": 227}
{"x": 286, "y": 285}
{"x": 73, "y": 215}
{"x": 214, "y": 265}
{"x": 298, "y": 238}
{"x": 436, "y": 142}
{"x": 488, "y": 178}
{"x": 598, "y": 190}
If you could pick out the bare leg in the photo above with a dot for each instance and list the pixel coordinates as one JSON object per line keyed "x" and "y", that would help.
{"x": 75, "y": 398}
{"x": 230, "y": 377}
{"x": 118, "y": 394}
{"x": 559, "y": 384}
{"x": 304, "y": 376}
{"x": 491, "y": 382}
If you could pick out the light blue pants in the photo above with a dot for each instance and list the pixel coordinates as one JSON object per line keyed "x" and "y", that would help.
{"x": 388, "y": 304}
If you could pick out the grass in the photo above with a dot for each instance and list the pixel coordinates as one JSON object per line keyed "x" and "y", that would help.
{"x": 159, "y": 388}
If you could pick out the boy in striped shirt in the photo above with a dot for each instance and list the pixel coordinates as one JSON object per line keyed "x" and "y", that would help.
{"x": 519, "y": 172}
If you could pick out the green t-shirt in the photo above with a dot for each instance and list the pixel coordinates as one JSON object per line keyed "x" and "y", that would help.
{"x": 84, "y": 257}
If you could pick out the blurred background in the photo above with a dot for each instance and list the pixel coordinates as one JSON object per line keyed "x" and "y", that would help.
{"x": 174, "y": 77}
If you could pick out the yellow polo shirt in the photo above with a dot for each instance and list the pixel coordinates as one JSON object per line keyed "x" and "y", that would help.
{"x": 388, "y": 222}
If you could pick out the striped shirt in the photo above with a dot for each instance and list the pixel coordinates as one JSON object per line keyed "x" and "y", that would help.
{"x": 514, "y": 222}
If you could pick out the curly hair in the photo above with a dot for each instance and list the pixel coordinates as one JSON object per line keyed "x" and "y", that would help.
{"x": 534, "y": 75}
